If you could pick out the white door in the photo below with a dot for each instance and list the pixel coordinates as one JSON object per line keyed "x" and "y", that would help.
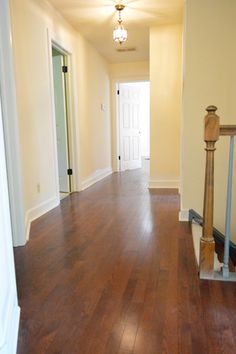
{"x": 9, "y": 310}
{"x": 61, "y": 122}
{"x": 129, "y": 122}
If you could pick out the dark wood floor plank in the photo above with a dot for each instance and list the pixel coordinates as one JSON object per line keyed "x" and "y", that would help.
{"x": 112, "y": 271}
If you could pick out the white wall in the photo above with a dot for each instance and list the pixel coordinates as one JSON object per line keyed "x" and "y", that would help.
{"x": 209, "y": 78}
{"x": 33, "y": 21}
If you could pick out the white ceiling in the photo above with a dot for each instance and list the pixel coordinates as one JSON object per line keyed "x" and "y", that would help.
{"x": 95, "y": 20}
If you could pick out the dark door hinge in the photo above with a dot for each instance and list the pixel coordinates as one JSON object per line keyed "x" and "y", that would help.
{"x": 70, "y": 172}
{"x": 118, "y": 92}
{"x": 65, "y": 69}
{"x": 119, "y": 158}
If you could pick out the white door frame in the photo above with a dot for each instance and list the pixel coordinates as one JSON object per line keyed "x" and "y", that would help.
{"x": 66, "y": 94}
{"x": 9, "y": 309}
{"x": 116, "y": 126}
{"x": 11, "y": 129}
{"x": 72, "y": 126}
{"x": 11, "y": 193}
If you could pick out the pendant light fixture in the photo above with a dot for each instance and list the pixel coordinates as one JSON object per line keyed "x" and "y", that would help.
{"x": 120, "y": 33}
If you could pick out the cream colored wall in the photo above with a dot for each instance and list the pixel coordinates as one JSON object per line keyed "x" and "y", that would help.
{"x": 165, "y": 78}
{"x": 209, "y": 78}
{"x": 95, "y": 128}
{"x": 126, "y": 71}
{"x": 123, "y": 72}
{"x": 31, "y": 20}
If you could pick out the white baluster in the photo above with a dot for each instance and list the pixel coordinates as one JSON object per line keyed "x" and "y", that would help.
{"x": 228, "y": 210}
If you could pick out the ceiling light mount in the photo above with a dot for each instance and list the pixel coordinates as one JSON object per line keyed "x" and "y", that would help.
{"x": 119, "y": 7}
{"x": 120, "y": 33}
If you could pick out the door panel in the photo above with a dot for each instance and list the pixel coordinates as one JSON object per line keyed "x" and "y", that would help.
{"x": 126, "y": 147}
{"x": 129, "y": 118}
{"x": 126, "y": 116}
{"x": 136, "y": 153}
{"x": 61, "y": 123}
{"x": 136, "y": 116}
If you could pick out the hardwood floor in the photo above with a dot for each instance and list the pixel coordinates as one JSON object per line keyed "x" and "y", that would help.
{"x": 112, "y": 271}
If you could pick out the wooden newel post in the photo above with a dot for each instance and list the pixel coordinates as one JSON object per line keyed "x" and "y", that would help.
{"x": 207, "y": 243}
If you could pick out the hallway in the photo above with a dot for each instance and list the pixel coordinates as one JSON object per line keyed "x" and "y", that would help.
{"x": 112, "y": 271}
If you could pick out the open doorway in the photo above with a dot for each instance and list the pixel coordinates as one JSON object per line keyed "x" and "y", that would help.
{"x": 133, "y": 122}
{"x": 60, "y": 84}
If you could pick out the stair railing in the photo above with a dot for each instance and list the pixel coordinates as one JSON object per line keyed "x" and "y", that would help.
{"x": 213, "y": 131}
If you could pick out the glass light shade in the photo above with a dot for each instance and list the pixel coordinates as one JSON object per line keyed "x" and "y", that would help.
{"x": 120, "y": 34}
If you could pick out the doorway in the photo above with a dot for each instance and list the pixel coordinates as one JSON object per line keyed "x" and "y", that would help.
{"x": 133, "y": 122}
{"x": 60, "y": 84}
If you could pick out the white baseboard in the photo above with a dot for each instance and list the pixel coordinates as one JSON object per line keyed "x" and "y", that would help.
{"x": 164, "y": 183}
{"x": 39, "y": 210}
{"x": 11, "y": 339}
{"x": 96, "y": 177}
{"x": 184, "y": 215}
